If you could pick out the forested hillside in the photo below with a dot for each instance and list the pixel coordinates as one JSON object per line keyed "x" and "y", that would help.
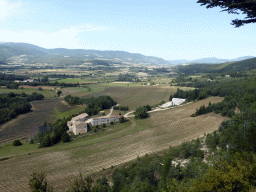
{"x": 238, "y": 66}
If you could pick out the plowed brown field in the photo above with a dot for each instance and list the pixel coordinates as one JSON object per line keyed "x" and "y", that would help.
{"x": 93, "y": 153}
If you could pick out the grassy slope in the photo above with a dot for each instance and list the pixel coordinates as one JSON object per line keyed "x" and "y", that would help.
{"x": 119, "y": 144}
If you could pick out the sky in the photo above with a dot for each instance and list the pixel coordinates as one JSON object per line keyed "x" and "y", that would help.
{"x": 169, "y": 29}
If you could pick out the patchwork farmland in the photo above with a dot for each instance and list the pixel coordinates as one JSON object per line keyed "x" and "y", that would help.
{"x": 116, "y": 145}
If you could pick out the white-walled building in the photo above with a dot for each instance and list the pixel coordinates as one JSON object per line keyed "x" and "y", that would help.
{"x": 175, "y": 101}
{"x": 178, "y": 101}
{"x": 105, "y": 119}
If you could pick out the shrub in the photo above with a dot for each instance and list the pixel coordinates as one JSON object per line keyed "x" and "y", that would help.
{"x": 31, "y": 141}
{"x": 121, "y": 120}
{"x": 104, "y": 125}
{"x": 65, "y": 137}
{"x": 59, "y": 92}
{"x": 141, "y": 112}
{"x": 16, "y": 143}
{"x": 40, "y": 88}
{"x": 97, "y": 126}
{"x": 38, "y": 183}
{"x": 111, "y": 123}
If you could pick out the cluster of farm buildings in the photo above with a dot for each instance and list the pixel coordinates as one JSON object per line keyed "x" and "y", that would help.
{"x": 79, "y": 124}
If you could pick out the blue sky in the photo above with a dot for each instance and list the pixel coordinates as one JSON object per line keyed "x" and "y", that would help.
{"x": 173, "y": 29}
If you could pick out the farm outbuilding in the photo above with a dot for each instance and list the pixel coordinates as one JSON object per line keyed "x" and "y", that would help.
{"x": 178, "y": 101}
{"x": 175, "y": 101}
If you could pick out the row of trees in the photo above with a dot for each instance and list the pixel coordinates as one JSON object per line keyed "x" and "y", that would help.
{"x": 121, "y": 108}
{"x": 191, "y": 95}
{"x": 11, "y": 77}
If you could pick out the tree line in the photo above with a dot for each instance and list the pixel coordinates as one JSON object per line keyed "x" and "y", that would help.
{"x": 121, "y": 108}
{"x": 94, "y": 104}
{"x": 11, "y": 104}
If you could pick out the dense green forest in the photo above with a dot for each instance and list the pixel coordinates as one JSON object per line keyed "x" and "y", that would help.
{"x": 12, "y": 104}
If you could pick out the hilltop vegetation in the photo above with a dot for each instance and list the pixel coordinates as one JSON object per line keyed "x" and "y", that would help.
{"x": 233, "y": 67}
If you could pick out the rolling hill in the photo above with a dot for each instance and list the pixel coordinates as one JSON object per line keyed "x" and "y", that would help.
{"x": 236, "y": 66}
{"x": 32, "y": 54}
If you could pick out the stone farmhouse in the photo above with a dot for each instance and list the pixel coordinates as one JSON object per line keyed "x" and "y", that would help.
{"x": 78, "y": 124}
{"x": 105, "y": 119}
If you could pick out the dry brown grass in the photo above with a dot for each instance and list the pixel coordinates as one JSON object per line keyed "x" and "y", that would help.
{"x": 63, "y": 162}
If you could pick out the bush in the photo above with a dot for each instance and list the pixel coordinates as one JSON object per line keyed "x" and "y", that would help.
{"x": 65, "y": 137}
{"x": 59, "y": 92}
{"x": 141, "y": 112}
{"x": 121, "y": 120}
{"x": 31, "y": 141}
{"x": 104, "y": 125}
{"x": 111, "y": 123}
{"x": 16, "y": 143}
{"x": 38, "y": 183}
{"x": 97, "y": 126}
{"x": 40, "y": 88}
{"x": 81, "y": 184}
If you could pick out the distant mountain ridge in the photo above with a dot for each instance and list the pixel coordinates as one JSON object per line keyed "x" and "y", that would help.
{"x": 35, "y": 54}
{"x": 211, "y": 60}
{"x": 11, "y": 52}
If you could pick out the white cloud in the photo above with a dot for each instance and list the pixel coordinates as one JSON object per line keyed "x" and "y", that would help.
{"x": 88, "y": 27}
{"x": 8, "y": 8}
{"x": 64, "y": 38}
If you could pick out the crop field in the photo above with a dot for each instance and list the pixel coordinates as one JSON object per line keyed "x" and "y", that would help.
{"x": 47, "y": 91}
{"x": 138, "y": 96}
{"x": 132, "y": 96}
{"x": 23, "y": 125}
{"x": 115, "y": 145}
